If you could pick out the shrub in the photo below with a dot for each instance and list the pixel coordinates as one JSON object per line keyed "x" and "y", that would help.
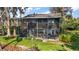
{"x": 65, "y": 37}
{"x": 30, "y": 37}
{"x": 70, "y": 36}
{"x": 75, "y": 37}
{"x": 8, "y": 37}
{"x": 18, "y": 39}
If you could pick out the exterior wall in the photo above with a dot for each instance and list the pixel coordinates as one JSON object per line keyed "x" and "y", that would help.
{"x": 38, "y": 27}
{"x": 45, "y": 28}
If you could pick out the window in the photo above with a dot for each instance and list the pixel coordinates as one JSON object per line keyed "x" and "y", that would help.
{"x": 39, "y": 20}
{"x": 52, "y": 21}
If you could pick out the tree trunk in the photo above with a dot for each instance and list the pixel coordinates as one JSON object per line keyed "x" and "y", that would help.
{"x": 8, "y": 21}
{"x": 8, "y": 27}
{"x": 14, "y": 31}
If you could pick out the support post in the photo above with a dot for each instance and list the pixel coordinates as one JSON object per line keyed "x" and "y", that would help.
{"x": 37, "y": 27}
{"x": 27, "y": 28}
{"x": 47, "y": 27}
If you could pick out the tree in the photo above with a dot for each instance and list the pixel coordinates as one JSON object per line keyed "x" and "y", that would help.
{"x": 6, "y": 12}
{"x": 1, "y": 18}
{"x": 66, "y": 14}
{"x": 63, "y": 10}
{"x": 14, "y": 11}
{"x": 70, "y": 24}
{"x": 8, "y": 20}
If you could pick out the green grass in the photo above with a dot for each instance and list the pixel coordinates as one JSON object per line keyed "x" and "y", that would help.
{"x": 43, "y": 46}
{"x": 4, "y": 41}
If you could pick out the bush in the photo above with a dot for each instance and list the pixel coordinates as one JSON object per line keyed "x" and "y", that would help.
{"x": 8, "y": 37}
{"x": 75, "y": 37}
{"x": 65, "y": 37}
{"x": 18, "y": 39}
{"x": 70, "y": 36}
{"x": 29, "y": 38}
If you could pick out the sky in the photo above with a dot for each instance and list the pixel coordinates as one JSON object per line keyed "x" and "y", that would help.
{"x": 75, "y": 12}
{"x": 45, "y": 10}
{"x": 42, "y": 10}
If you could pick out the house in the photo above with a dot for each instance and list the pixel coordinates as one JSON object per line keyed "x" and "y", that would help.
{"x": 44, "y": 26}
{"x": 40, "y": 25}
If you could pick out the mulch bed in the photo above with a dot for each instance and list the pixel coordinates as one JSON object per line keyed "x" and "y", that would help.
{"x": 11, "y": 48}
{"x": 17, "y": 48}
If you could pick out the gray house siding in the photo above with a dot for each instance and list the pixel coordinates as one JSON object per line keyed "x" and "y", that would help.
{"x": 41, "y": 27}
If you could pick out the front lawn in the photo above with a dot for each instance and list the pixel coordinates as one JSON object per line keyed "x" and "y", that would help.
{"x": 43, "y": 46}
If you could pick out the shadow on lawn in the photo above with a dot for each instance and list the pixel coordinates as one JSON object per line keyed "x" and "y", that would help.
{"x": 17, "y": 40}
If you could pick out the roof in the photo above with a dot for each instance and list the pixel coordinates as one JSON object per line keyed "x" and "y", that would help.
{"x": 58, "y": 15}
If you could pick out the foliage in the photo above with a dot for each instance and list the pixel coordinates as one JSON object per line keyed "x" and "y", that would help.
{"x": 65, "y": 11}
{"x": 70, "y": 36}
{"x": 74, "y": 44}
{"x": 7, "y": 37}
{"x": 18, "y": 39}
{"x": 69, "y": 24}
{"x": 65, "y": 38}
{"x": 75, "y": 37}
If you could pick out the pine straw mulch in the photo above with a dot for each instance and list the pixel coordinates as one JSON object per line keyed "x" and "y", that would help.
{"x": 17, "y": 48}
